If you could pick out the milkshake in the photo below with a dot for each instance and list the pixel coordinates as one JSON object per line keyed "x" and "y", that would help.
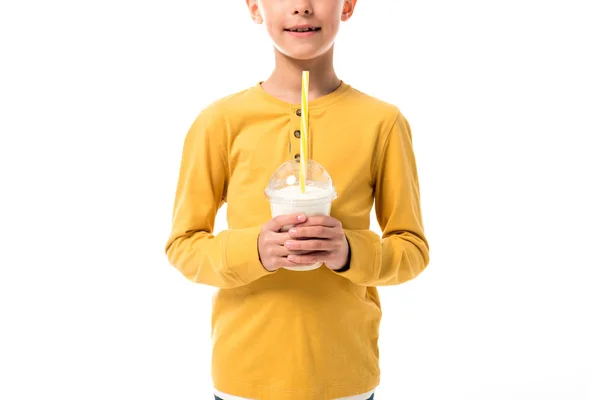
{"x": 286, "y": 197}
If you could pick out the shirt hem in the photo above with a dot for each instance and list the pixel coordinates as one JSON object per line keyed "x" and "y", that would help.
{"x": 248, "y": 390}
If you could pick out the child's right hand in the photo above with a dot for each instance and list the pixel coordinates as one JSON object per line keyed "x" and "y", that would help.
{"x": 271, "y": 250}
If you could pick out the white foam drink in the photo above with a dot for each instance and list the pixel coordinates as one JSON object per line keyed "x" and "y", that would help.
{"x": 286, "y": 197}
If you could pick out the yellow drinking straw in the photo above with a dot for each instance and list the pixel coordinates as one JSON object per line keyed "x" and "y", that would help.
{"x": 304, "y": 132}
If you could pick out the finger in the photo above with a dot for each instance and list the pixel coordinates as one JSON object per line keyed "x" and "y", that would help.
{"x": 280, "y": 221}
{"x": 275, "y": 249}
{"x": 285, "y": 262}
{"x": 323, "y": 220}
{"x": 275, "y": 238}
{"x": 311, "y": 258}
{"x": 310, "y": 245}
{"x": 280, "y": 238}
{"x": 278, "y": 251}
{"x": 317, "y": 231}
{"x": 274, "y": 245}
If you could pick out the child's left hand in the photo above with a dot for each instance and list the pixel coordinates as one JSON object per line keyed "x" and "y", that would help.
{"x": 318, "y": 239}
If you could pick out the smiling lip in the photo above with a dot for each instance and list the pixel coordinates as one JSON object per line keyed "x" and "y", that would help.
{"x": 303, "y": 30}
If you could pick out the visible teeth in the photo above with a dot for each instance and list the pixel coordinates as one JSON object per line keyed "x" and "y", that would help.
{"x": 303, "y": 29}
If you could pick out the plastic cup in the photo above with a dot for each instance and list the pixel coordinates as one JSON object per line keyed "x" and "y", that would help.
{"x": 286, "y": 197}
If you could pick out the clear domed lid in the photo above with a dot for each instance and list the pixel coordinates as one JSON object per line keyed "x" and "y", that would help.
{"x": 288, "y": 176}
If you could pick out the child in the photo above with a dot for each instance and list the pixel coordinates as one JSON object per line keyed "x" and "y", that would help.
{"x": 280, "y": 334}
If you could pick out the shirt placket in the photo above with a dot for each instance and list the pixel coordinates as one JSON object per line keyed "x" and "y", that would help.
{"x": 295, "y": 133}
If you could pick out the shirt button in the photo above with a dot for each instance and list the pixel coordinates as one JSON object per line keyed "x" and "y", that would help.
{"x": 299, "y": 112}
{"x": 297, "y": 134}
{"x": 297, "y": 157}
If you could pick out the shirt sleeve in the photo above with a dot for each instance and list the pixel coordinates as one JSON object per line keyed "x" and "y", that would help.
{"x": 230, "y": 258}
{"x": 402, "y": 252}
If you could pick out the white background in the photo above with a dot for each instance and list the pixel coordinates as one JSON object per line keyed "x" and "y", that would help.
{"x": 503, "y": 98}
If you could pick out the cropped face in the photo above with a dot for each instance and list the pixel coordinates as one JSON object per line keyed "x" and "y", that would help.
{"x": 301, "y": 29}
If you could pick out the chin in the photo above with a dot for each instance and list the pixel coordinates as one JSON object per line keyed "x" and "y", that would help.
{"x": 302, "y": 55}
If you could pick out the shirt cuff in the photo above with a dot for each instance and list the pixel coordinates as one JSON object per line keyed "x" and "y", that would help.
{"x": 241, "y": 254}
{"x": 365, "y": 247}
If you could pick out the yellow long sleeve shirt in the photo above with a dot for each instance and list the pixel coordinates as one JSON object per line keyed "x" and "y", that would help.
{"x": 290, "y": 335}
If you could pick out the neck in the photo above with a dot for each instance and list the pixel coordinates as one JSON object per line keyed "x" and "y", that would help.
{"x": 286, "y": 80}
